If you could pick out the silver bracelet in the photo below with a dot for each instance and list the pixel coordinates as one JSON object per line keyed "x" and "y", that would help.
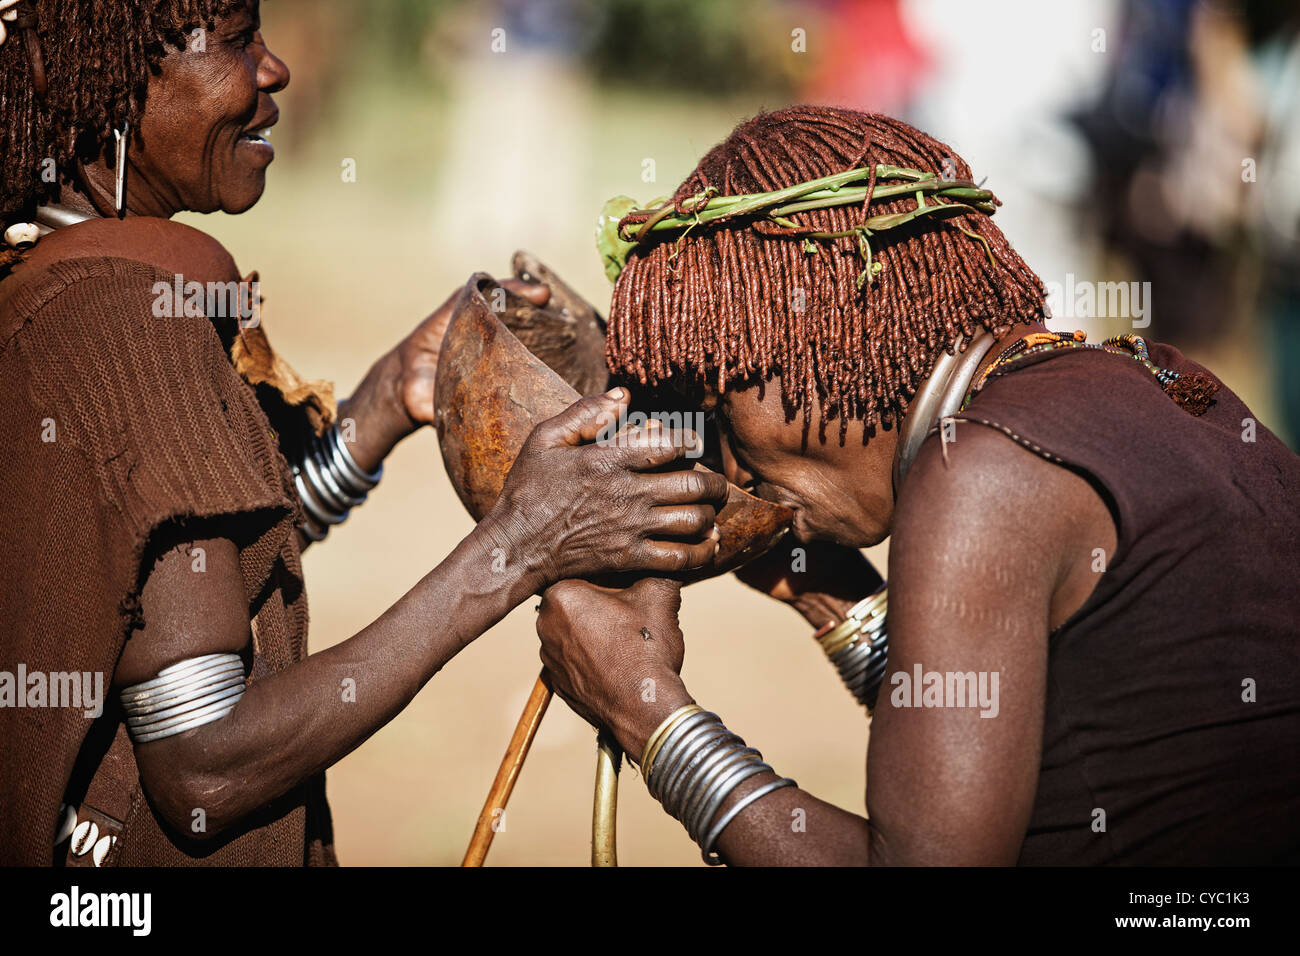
{"x": 695, "y": 801}
{"x": 351, "y": 473}
{"x": 144, "y": 704}
{"x": 696, "y": 767}
{"x": 714, "y": 800}
{"x": 712, "y": 858}
{"x": 654, "y": 781}
{"x": 185, "y": 695}
{"x": 330, "y": 483}
{"x": 859, "y": 648}
{"x": 681, "y": 762}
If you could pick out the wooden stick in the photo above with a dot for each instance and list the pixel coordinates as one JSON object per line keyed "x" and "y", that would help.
{"x": 508, "y": 772}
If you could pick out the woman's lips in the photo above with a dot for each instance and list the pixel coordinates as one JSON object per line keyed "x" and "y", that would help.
{"x": 258, "y": 136}
{"x": 258, "y": 141}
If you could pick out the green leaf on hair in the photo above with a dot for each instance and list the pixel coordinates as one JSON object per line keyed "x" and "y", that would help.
{"x": 613, "y": 250}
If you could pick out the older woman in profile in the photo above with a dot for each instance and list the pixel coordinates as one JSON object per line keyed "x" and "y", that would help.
{"x": 160, "y": 500}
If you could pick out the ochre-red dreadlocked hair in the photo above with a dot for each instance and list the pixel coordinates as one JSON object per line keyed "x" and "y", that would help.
{"x": 723, "y": 303}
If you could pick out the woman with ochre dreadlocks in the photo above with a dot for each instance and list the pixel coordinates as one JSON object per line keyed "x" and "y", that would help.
{"x": 1087, "y": 652}
{"x": 154, "y": 526}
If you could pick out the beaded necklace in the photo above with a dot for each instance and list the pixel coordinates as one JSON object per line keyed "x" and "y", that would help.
{"x": 1133, "y": 346}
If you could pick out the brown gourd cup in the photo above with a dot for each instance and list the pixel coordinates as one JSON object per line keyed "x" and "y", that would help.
{"x": 492, "y": 390}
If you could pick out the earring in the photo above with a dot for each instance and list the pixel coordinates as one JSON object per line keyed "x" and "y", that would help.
{"x": 123, "y": 144}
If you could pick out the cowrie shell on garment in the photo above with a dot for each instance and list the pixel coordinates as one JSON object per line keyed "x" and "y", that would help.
{"x": 83, "y": 838}
{"x": 22, "y": 235}
{"x": 9, "y": 15}
{"x": 101, "y": 849}
{"x": 67, "y": 823}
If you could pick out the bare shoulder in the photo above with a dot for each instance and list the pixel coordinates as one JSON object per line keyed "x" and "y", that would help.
{"x": 981, "y": 511}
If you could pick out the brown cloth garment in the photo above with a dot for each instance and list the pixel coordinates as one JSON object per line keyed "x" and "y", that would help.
{"x": 1145, "y": 715}
{"x": 152, "y": 429}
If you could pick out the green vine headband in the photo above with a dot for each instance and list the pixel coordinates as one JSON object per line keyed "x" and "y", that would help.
{"x": 623, "y": 227}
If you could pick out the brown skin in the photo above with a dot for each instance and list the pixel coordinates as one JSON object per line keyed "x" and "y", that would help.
{"x": 833, "y": 579}
{"x": 973, "y": 587}
{"x": 754, "y": 428}
{"x": 189, "y": 150}
{"x": 296, "y": 722}
{"x": 552, "y": 520}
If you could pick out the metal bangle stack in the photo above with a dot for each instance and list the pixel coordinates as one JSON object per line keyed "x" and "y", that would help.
{"x": 859, "y": 646}
{"x": 330, "y": 483}
{"x": 692, "y": 763}
{"x": 183, "y": 696}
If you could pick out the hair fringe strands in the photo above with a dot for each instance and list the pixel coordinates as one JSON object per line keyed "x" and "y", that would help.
{"x": 720, "y": 303}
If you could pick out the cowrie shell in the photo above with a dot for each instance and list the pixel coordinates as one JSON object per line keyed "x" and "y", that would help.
{"x": 101, "y": 849}
{"x": 83, "y": 838}
{"x": 9, "y": 15}
{"x": 22, "y": 235}
{"x": 67, "y": 824}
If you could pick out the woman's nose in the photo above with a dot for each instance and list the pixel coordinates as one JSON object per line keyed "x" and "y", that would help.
{"x": 272, "y": 73}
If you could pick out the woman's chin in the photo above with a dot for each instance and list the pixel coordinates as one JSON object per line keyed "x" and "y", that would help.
{"x": 807, "y": 529}
{"x": 235, "y": 201}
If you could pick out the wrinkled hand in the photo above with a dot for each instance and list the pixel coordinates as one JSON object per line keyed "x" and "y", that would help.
{"x": 573, "y": 506}
{"x": 821, "y": 583}
{"x": 417, "y": 354}
{"x": 600, "y": 661}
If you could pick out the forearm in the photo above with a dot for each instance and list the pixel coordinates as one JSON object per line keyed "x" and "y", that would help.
{"x": 298, "y": 721}
{"x": 791, "y": 827}
{"x": 820, "y": 609}
{"x": 378, "y": 420}
{"x": 785, "y": 827}
{"x": 372, "y": 422}
{"x": 819, "y": 580}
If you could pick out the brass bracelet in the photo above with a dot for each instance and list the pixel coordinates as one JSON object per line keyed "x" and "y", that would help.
{"x": 859, "y": 647}
{"x": 865, "y": 613}
{"x": 657, "y": 738}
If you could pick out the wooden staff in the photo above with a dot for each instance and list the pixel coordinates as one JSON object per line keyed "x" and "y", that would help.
{"x": 508, "y": 772}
